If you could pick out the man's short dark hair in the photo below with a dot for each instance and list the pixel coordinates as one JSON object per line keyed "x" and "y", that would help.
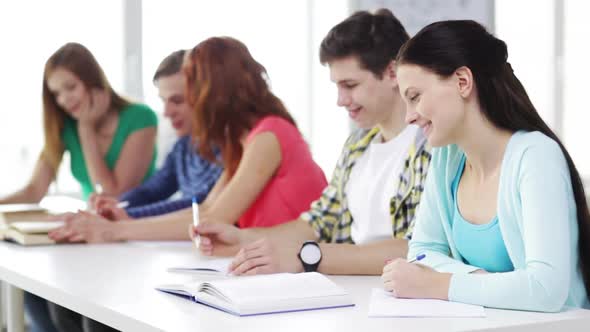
{"x": 170, "y": 65}
{"x": 374, "y": 38}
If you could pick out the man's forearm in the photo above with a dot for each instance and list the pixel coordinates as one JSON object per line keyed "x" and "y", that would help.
{"x": 296, "y": 231}
{"x": 368, "y": 259}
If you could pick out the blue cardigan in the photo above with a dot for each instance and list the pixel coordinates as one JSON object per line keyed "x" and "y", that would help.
{"x": 537, "y": 216}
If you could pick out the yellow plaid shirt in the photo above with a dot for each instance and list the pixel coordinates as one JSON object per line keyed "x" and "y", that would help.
{"x": 330, "y": 217}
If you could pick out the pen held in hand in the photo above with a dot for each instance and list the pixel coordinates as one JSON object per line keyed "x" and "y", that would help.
{"x": 108, "y": 213}
{"x": 98, "y": 188}
{"x": 123, "y": 204}
{"x": 197, "y": 238}
{"x": 418, "y": 258}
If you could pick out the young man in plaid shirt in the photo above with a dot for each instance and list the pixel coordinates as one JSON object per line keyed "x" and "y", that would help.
{"x": 366, "y": 214}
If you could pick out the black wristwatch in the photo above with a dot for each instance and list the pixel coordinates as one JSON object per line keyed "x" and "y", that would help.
{"x": 310, "y": 256}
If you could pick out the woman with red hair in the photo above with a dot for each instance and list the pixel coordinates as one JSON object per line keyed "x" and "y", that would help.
{"x": 270, "y": 176}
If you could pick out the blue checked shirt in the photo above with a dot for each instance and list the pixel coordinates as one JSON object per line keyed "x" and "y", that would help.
{"x": 184, "y": 170}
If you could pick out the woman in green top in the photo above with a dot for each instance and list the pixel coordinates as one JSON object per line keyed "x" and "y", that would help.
{"x": 110, "y": 140}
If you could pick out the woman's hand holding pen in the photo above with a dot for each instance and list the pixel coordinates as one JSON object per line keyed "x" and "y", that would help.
{"x": 408, "y": 280}
{"x": 108, "y": 207}
{"x": 95, "y": 199}
{"x": 217, "y": 239}
{"x": 113, "y": 211}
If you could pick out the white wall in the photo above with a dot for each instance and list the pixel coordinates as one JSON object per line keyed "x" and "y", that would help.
{"x": 28, "y": 38}
{"x": 549, "y": 54}
{"x": 531, "y": 43}
{"x": 286, "y": 42}
{"x": 576, "y": 109}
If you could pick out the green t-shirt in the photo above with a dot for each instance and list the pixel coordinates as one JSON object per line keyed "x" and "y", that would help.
{"x": 132, "y": 118}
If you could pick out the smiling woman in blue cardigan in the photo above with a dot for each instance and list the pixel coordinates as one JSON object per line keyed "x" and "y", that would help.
{"x": 503, "y": 220}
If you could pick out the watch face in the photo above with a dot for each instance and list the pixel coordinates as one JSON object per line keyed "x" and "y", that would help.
{"x": 310, "y": 254}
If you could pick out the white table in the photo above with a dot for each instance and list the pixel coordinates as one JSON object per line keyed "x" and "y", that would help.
{"x": 114, "y": 284}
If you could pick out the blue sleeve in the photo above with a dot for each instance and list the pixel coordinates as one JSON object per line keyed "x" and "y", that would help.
{"x": 204, "y": 178}
{"x": 164, "y": 207}
{"x": 159, "y": 208}
{"x": 544, "y": 191}
{"x": 431, "y": 230}
{"x": 160, "y": 186}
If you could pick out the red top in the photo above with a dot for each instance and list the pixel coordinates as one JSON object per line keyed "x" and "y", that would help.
{"x": 296, "y": 184}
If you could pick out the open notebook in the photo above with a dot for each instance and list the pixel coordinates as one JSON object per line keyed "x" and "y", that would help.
{"x": 212, "y": 267}
{"x": 265, "y": 294}
{"x": 383, "y": 304}
{"x": 29, "y": 233}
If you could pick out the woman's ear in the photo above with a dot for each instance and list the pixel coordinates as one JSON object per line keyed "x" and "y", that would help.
{"x": 465, "y": 82}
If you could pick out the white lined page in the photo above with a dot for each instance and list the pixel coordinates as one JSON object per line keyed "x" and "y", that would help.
{"x": 383, "y": 304}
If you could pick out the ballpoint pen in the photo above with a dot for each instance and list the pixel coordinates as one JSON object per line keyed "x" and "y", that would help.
{"x": 418, "y": 258}
{"x": 98, "y": 188}
{"x": 123, "y": 204}
{"x": 197, "y": 238}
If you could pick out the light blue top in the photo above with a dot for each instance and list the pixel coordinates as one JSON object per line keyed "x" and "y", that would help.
{"x": 537, "y": 218}
{"x": 479, "y": 245}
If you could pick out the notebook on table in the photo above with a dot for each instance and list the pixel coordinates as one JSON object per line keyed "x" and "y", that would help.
{"x": 212, "y": 267}
{"x": 49, "y": 205}
{"x": 383, "y": 304}
{"x": 21, "y": 212}
{"x": 30, "y": 233}
{"x": 265, "y": 294}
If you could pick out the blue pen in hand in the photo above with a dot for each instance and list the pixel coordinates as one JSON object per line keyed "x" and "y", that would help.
{"x": 418, "y": 258}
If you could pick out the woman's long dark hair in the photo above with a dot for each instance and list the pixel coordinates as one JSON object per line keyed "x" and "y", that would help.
{"x": 443, "y": 47}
